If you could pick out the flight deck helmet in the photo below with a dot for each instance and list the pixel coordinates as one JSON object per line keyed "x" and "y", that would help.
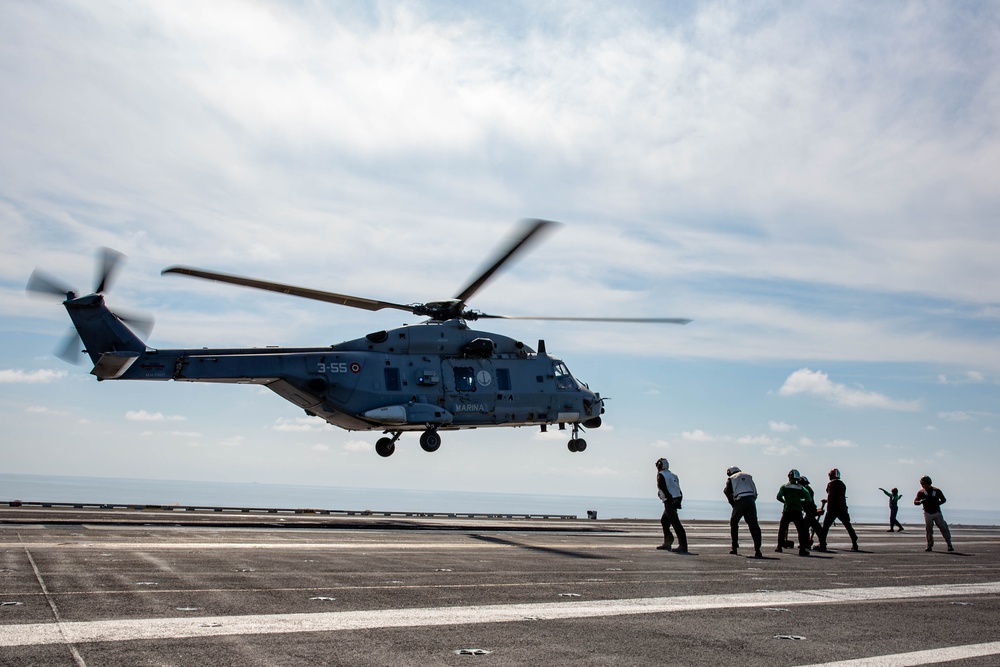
{"x": 835, "y": 473}
{"x": 732, "y": 470}
{"x": 662, "y": 464}
{"x": 793, "y": 475}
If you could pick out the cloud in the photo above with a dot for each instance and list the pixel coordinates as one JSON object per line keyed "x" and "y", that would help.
{"x": 41, "y": 376}
{"x": 696, "y": 436}
{"x": 817, "y": 383}
{"x": 969, "y": 377}
{"x": 144, "y": 416}
{"x": 955, "y": 416}
{"x": 781, "y": 427}
{"x": 756, "y": 440}
{"x": 840, "y": 443}
{"x": 300, "y": 424}
{"x": 357, "y": 446}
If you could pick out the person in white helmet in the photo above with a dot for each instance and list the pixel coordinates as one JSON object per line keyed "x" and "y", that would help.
{"x": 836, "y": 510}
{"x": 741, "y": 493}
{"x": 669, "y": 491}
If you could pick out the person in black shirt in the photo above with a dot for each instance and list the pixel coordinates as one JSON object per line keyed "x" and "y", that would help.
{"x": 836, "y": 509}
{"x": 932, "y": 498}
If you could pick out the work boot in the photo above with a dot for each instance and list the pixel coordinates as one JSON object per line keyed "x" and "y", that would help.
{"x": 734, "y": 552}
{"x": 757, "y": 554}
{"x": 803, "y": 552}
{"x": 664, "y": 547}
{"x": 951, "y": 548}
{"x": 854, "y": 547}
{"x": 778, "y": 550}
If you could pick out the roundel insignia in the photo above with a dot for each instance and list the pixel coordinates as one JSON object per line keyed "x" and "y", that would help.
{"x": 355, "y": 367}
{"x": 484, "y": 378}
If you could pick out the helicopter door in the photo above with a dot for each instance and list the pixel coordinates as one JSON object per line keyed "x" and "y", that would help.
{"x": 470, "y": 390}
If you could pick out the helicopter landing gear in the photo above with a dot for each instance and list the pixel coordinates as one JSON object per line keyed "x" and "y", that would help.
{"x": 430, "y": 440}
{"x": 577, "y": 444}
{"x": 386, "y": 446}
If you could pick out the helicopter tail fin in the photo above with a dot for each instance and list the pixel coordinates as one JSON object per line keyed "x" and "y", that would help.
{"x": 111, "y": 345}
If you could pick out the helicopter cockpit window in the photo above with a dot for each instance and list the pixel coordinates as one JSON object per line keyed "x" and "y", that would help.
{"x": 562, "y": 376}
{"x": 465, "y": 378}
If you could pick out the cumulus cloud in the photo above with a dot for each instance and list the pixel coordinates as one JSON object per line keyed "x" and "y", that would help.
{"x": 781, "y": 427}
{"x": 357, "y": 446}
{"x": 696, "y": 436}
{"x": 969, "y": 377}
{"x": 144, "y": 416}
{"x": 955, "y": 416}
{"x": 756, "y": 440}
{"x": 818, "y": 383}
{"x": 300, "y": 424}
{"x": 19, "y": 376}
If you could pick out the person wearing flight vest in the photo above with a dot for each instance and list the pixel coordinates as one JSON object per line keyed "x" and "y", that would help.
{"x": 793, "y": 498}
{"x": 669, "y": 491}
{"x": 741, "y": 493}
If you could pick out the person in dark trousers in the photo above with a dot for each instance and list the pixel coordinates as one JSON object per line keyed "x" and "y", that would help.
{"x": 741, "y": 493}
{"x": 669, "y": 490}
{"x": 793, "y": 497}
{"x": 811, "y": 514}
{"x": 932, "y": 498}
{"x": 836, "y": 510}
{"x": 893, "y": 508}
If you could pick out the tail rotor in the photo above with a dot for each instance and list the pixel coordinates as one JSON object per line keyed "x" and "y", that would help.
{"x": 109, "y": 263}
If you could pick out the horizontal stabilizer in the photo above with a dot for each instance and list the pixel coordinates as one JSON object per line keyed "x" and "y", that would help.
{"x": 113, "y": 365}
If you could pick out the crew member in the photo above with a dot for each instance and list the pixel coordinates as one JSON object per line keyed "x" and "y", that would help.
{"x": 793, "y": 497}
{"x": 741, "y": 493}
{"x": 836, "y": 510}
{"x": 893, "y": 508}
{"x": 932, "y": 498}
{"x": 669, "y": 490}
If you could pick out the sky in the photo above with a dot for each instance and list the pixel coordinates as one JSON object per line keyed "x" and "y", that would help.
{"x": 814, "y": 185}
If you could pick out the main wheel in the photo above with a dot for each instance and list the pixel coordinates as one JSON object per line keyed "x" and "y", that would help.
{"x": 581, "y": 445}
{"x": 430, "y": 441}
{"x": 572, "y": 445}
{"x": 385, "y": 447}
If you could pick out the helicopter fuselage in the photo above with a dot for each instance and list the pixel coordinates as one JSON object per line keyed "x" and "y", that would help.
{"x": 424, "y": 377}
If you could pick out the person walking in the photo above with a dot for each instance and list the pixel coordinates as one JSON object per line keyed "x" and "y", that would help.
{"x": 836, "y": 510}
{"x": 741, "y": 492}
{"x": 669, "y": 491}
{"x": 793, "y": 498}
{"x": 893, "y": 508}
{"x": 932, "y": 498}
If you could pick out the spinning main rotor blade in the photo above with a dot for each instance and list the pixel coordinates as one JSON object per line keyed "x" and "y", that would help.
{"x": 316, "y": 295}
{"x": 531, "y": 229}
{"x": 637, "y": 320}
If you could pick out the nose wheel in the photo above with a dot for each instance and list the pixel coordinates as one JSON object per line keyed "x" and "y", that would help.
{"x": 577, "y": 444}
{"x": 386, "y": 446}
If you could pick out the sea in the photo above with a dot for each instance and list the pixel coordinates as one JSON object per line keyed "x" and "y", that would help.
{"x": 116, "y": 491}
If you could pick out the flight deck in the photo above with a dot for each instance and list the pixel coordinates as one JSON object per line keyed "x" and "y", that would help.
{"x": 117, "y": 586}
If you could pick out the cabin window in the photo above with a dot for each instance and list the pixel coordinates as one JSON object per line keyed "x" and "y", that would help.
{"x": 392, "y": 379}
{"x": 465, "y": 378}
{"x": 503, "y": 379}
{"x": 562, "y": 377}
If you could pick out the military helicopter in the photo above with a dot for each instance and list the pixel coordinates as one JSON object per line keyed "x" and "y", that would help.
{"x": 438, "y": 375}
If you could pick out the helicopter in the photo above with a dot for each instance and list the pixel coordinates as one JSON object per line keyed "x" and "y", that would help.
{"x": 437, "y": 375}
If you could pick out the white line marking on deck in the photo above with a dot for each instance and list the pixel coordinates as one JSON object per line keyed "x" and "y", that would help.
{"x": 175, "y": 628}
{"x": 914, "y": 658}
